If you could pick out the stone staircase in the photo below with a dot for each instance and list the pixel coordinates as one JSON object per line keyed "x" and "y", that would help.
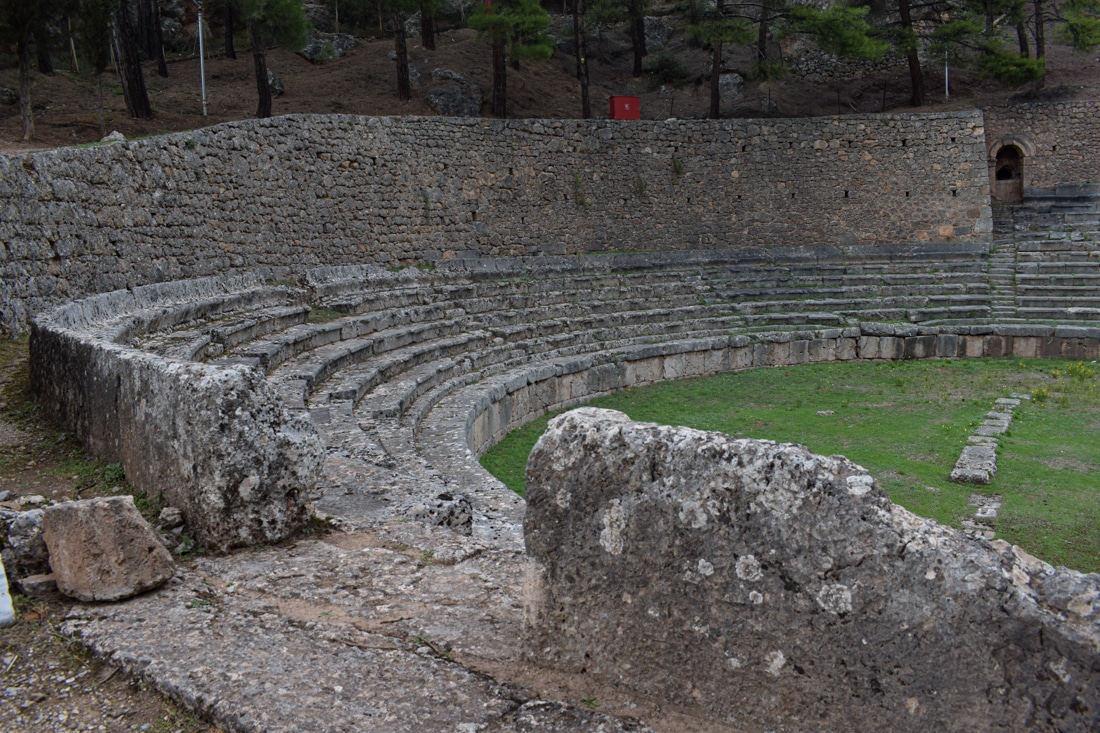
{"x": 1045, "y": 259}
{"x": 1002, "y": 280}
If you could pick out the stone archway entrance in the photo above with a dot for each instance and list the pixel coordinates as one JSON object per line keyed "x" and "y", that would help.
{"x": 1008, "y": 174}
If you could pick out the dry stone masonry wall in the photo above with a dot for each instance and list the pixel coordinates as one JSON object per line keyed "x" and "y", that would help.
{"x": 302, "y": 191}
{"x": 1060, "y": 140}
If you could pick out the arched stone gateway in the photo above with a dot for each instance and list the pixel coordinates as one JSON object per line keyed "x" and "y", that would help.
{"x": 1008, "y": 174}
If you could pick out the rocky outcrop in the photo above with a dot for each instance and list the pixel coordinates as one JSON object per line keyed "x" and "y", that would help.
{"x": 783, "y": 590}
{"x": 327, "y": 46}
{"x": 453, "y": 95}
{"x": 103, "y": 550}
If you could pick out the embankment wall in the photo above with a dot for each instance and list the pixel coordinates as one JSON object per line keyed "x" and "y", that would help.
{"x": 1060, "y": 140}
{"x": 308, "y": 190}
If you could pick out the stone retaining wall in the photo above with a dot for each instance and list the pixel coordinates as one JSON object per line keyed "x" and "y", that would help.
{"x": 1060, "y": 141}
{"x": 302, "y": 191}
{"x": 505, "y": 407}
{"x": 215, "y": 441}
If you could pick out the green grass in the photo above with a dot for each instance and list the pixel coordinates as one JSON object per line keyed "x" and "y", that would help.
{"x": 906, "y": 423}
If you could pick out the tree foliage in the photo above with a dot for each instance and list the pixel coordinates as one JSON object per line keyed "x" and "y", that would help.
{"x": 285, "y": 21}
{"x": 516, "y": 29}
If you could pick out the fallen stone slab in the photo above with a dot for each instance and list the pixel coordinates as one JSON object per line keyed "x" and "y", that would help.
{"x": 782, "y": 590}
{"x": 977, "y": 464}
{"x": 103, "y": 550}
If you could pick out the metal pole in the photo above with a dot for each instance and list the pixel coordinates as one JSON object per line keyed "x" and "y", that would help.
{"x": 946, "y": 85}
{"x": 202, "y": 59}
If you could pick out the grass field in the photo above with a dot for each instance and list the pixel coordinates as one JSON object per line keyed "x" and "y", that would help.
{"x": 906, "y": 423}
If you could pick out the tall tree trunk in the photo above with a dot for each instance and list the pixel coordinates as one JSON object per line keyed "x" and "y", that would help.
{"x": 580, "y": 53}
{"x": 693, "y": 11}
{"x": 158, "y": 41}
{"x": 1021, "y": 36}
{"x": 500, "y": 78}
{"x": 427, "y": 26}
{"x": 42, "y": 48}
{"x": 762, "y": 31}
{"x": 916, "y": 76}
{"x": 74, "y": 65}
{"x": 1040, "y": 32}
{"x": 230, "y": 50}
{"x": 404, "y": 88}
{"x": 715, "y": 82}
{"x": 24, "y": 52}
{"x": 99, "y": 104}
{"x": 129, "y": 66}
{"x": 145, "y": 28}
{"x": 259, "y": 60}
{"x": 637, "y": 36}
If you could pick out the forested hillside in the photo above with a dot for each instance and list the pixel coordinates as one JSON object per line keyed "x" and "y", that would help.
{"x": 72, "y": 71}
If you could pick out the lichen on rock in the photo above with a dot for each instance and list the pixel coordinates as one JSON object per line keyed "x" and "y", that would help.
{"x": 792, "y": 593}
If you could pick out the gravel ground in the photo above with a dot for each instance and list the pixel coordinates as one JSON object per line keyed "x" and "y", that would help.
{"x": 49, "y": 682}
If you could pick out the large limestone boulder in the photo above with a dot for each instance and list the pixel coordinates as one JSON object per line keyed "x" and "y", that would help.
{"x": 778, "y": 589}
{"x": 103, "y": 550}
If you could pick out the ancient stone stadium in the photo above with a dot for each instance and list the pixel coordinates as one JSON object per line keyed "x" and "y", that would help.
{"x": 331, "y": 318}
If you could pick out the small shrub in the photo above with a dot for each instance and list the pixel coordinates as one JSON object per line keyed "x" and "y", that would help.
{"x": 667, "y": 69}
{"x": 1040, "y": 395}
{"x": 640, "y": 187}
{"x": 1079, "y": 370}
{"x": 324, "y": 315}
{"x": 767, "y": 71}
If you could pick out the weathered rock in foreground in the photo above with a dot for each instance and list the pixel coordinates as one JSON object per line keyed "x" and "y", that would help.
{"x": 103, "y": 550}
{"x": 783, "y": 590}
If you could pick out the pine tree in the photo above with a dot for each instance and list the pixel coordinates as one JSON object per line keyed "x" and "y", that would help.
{"x": 717, "y": 31}
{"x": 95, "y": 33}
{"x": 129, "y": 64}
{"x": 286, "y": 21}
{"x": 515, "y": 28}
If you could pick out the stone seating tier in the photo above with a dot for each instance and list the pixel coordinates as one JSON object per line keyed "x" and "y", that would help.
{"x": 420, "y": 372}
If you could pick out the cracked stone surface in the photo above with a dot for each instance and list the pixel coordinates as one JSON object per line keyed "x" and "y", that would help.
{"x": 781, "y": 590}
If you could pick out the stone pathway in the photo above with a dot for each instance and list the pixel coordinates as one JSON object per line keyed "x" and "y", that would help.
{"x": 977, "y": 463}
{"x": 986, "y": 508}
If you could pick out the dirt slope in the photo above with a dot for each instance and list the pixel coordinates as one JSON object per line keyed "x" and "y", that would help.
{"x": 364, "y": 82}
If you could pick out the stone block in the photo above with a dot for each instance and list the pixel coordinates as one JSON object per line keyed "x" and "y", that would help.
{"x": 643, "y": 371}
{"x": 869, "y": 347}
{"x": 103, "y": 550}
{"x": 741, "y": 357}
{"x": 973, "y": 347}
{"x": 995, "y": 346}
{"x": 727, "y": 574}
{"x": 799, "y": 352}
{"x": 26, "y": 544}
{"x": 919, "y": 347}
{"x": 947, "y": 345}
{"x": 891, "y": 347}
{"x": 820, "y": 350}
